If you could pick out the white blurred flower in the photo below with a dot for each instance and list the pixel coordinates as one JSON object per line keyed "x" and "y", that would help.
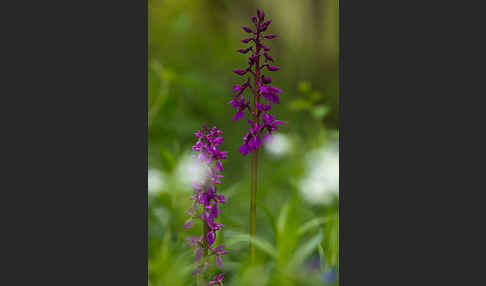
{"x": 278, "y": 145}
{"x": 156, "y": 181}
{"x": 321, "y": 183}
{"x": 190, "y": 170}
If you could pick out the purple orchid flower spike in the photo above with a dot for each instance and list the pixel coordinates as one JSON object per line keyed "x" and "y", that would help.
{"x": 260, "y": 104}
{"x": 260, "y": 89}
{"x": 207, "y": 201}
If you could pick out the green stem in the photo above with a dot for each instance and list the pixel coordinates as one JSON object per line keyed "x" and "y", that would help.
{"x": 254, "y": 162}
{"x": 205, "y": 239}
{"x": 202, "y": 278}
{"x": 254, "y": 179}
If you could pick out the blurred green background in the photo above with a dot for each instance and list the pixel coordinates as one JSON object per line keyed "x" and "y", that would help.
{"x": 192, "y": 51}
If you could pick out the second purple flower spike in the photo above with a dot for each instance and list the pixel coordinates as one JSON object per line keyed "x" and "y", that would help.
{"x": 207, "y": 201}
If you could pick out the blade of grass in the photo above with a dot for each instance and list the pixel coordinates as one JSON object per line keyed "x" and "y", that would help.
{"x": 312, "y": 224}
{"x": 305, "y": 250}
{"x": 260, "y": 243}
{"x": 269, "y": 215}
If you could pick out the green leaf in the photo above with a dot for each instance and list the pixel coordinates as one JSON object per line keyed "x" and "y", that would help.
{"x": 260, "y": 243}
{"x": 322, "y": 257}
{"x": 300, "y": 104}
{"x": 306, "y": 249}
{"x": 304, "y": 86}
{"x": 261, "y": 205}
{"x": 282, "y": 218}
{"x": 315, "y": 96}
{"x": 333, "y": 243}
{"x": 312, "y": 224}
{"x": 168, "y": 159}
{"x": 320, "y": 111}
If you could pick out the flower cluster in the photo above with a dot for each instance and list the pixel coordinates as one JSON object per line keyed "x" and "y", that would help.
{"x": 206, "y": 199}
{"x": 259, "y": 88}
{"x": 217, "y": 280}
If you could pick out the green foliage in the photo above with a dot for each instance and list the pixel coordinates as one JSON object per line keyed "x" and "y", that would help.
{"x": 310, "y": 102}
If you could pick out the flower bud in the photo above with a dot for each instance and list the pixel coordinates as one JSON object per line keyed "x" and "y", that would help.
{"x": 243, "y": 51}
{"x": 265, "y": 25}
{"x": 266, "y": 79}
{"x": 268, "y": 57}
{"x": 240, "y": 71}
{"x": 247, "y": 29}
{"x": 260, "y": 14}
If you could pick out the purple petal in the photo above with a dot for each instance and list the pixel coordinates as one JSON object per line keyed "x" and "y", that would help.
{"x": 237, "y": 87}
{"x": 238, "y": 115}
{"x": 260, "y": 14}
{"x": 196, "y": 186}
{"x": 214, "y": 210}
{"x": 221, "y": 198}
{"x": 244, "y": 149}
{"x": 198, "y": 254}
{"x": 219, "y": 262}
{"x": 273, "y": 68}
{"x": 268, "y": 118}
{"x": 192, "y": 240}
{"x": 235, "y": 103}
{"x": 243, "y": 51}
{"x": 239, "y": 71}
{"x": 189, "y": 223}
{"x": 255, "y": 142}
{"x": 203, "y": 199}
{"x": 220, "y": 249}
{"x": 277, "y": 122}
{"x": 263, "y": 27}
{"x": 247, "y": 29}
{"x": 258, "y": 141}
{"x": 211, "y": 191}
{"x": 266, "y": 79}
{"x": 268, "y": 57}
{"x": 271, "y": 36}
{"x": 269, "y": 97}
{"x": 268, "y": 137}
{"x": 211, "y": 237}
{"x": 205, "y": 216}
{"x": 219, "y": 165}
{"x": 263, "y": 107}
